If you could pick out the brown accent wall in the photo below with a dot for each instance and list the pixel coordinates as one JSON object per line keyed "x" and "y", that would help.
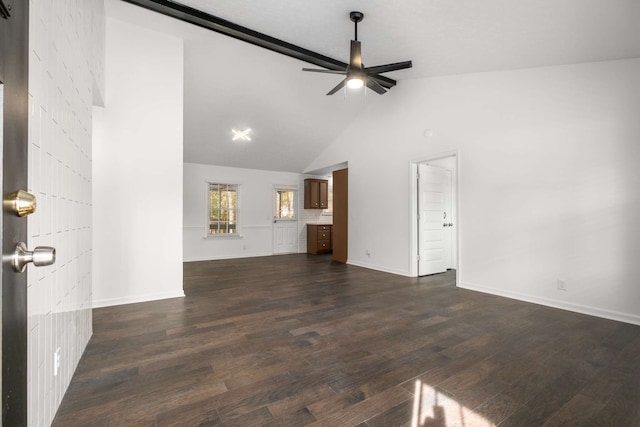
{"x": 340, "y": 214}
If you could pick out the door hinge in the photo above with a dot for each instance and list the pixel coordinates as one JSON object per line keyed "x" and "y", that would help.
{"x": 418, "y": 176}
{"x": 418, "y": 257}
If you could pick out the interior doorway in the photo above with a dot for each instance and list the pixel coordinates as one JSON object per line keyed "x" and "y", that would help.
{"x": 434, "y": 215}
{"x": 338, "y": 213}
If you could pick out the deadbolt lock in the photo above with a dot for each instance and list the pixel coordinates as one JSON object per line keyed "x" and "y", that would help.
{"x": 20, "y": 202}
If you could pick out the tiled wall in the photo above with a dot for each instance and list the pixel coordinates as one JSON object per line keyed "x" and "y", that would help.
{"x": 65, "y": 68}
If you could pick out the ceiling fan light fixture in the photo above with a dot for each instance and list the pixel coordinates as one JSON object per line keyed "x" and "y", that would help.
{"x": 357, "y": 75}
{"x": 355, "y": 83}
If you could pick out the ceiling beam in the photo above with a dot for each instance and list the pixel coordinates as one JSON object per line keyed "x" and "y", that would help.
{"x": 222, "y": 26}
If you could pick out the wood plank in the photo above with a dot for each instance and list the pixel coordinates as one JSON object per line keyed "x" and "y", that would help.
{"x": 299, "y": 340}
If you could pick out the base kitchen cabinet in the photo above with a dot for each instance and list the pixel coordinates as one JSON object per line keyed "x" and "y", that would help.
{"x": 318, "y": 238}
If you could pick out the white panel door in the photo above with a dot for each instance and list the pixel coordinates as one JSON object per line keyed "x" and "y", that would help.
{"x": 431, "y": 205}
{"x": 285, "y": 222}
{"x": 448, "y": 224}
{"x": 285, "y": 236}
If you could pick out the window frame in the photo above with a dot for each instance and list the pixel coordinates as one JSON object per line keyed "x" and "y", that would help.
{"x": 296, "y": 207}
{"x": 329, "y": 210}
{"x": 238, "y": 210}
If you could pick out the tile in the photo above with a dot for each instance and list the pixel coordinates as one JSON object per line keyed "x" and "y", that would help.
{"x": 60, "y": 49}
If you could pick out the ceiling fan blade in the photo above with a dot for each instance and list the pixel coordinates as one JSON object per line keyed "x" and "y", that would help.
{"x": 385, "y": 83}
{"x": 337, "y": 88}
{"x": 380, "y": 79}
{"x": 375, "y": 86}
{"x": 315, "y": 70}
{"x": 355, "y": 62}
{"x": 389, "y": 67}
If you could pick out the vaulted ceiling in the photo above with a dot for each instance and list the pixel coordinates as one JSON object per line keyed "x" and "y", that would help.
{"x": 230, "y": 84}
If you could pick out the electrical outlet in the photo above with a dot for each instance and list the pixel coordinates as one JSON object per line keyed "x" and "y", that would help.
{"x": 56, "y": 362}
{"x": 562, "y": 285}
{"x": 367, "y": 253}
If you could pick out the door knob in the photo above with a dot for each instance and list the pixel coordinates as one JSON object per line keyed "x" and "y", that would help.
{"x": 41, "y": 256}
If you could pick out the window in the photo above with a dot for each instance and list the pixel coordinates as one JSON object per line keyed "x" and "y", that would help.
{"x": 223, "y": 209}
{"x": 285, "y": 204}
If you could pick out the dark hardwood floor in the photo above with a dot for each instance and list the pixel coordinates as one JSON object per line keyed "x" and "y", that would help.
{"x": 298, "y": 340}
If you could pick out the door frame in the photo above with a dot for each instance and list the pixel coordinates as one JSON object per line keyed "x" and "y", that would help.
{"x": 297, "y": 204}
{"x": 413, "y": 210}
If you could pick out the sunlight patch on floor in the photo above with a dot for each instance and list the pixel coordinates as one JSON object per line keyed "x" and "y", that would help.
{"x": 432, "y": 408}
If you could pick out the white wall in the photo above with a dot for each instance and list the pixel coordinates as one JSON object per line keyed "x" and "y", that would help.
{"x": 548, "y": 185}
{"x": 66, "y": 63}
{"x": 256, "y": 211}
{"x": 137, "y": 169}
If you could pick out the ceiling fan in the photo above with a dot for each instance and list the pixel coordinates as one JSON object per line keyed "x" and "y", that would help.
{"x": 357, "y": 75}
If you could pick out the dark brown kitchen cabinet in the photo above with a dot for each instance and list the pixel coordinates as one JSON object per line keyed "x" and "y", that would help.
{"x": 316, "y": 193}
{"x": 318, "y": 239}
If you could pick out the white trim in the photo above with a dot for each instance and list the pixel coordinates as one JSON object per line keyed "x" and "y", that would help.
{"x": 234, "y": 256}
{"x": 436, "y": 156}
{"x": 136, "y": 299}
{"x": 413, "y": 218}
{"x": 378, "y": 268}
{"x": 244, "y": 226}
{"x": 215, "y": 237}
{"x": 548, "y": 302}
{"x": 291, "y": 187}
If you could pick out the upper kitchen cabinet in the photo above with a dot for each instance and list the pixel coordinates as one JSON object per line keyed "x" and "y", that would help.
{"x": 316, "y": 193}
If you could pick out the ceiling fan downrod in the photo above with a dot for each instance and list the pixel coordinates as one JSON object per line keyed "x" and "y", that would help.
{"x": 356, "y": 17}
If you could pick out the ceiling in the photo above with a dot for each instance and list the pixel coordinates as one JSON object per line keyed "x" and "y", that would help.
{"x": 230, "y": 84}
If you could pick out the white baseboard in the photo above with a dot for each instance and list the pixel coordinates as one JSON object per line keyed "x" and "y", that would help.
{"x": 378, "y": 268}
{"x": 232, "y": 256}
{"x": 139, "y": 298}
{"x": 563, "y": 305}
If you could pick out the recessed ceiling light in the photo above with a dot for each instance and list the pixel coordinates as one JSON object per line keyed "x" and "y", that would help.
{"x": 241, "y": 135}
